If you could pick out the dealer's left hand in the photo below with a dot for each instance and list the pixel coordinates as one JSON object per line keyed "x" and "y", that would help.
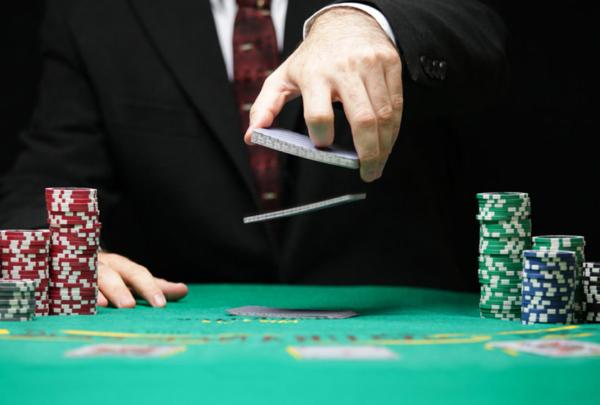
{"x": 345, "y": 57}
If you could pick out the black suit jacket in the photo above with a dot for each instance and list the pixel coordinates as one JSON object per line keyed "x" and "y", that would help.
{"x": 136, "y": 102}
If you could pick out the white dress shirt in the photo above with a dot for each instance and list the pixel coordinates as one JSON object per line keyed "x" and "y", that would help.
{"x": 225, "y": 11}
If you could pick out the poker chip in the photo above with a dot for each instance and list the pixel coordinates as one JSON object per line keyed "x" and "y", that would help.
{"x": 73, "y": 217}
{"x": 17, "y": 300}
{"x": 24, "y": 256}
{"x": 548, "y": 287}
{"x": 565, "y": 243}
{"x": 590, "y": 281}
{"x": 505, "y": 231}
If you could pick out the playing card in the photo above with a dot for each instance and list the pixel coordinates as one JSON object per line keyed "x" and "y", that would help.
{"x": 122, "y": 350}
{"x": 551, "y": 348}
{"x": 300, "y": 145}
{"x": 341, "y": 353}
{"x": 302, "y": 209}
{"x": 267, "y": 312}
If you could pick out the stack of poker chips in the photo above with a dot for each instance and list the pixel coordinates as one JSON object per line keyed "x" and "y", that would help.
{"x": 24, "y": 256}
{"x": 574, "y": 244}
{"x": 73, "y": 216}
{"x": 17, "y": 300}
{"x": 505, "y": 232}
{"x": 591, "y": 291}
{"x": 548, "y": 286}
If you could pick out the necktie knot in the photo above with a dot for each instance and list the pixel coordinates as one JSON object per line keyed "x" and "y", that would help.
{"x": 257, "y": 4}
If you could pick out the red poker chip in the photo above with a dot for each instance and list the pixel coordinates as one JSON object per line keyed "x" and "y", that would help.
{"x": 24, "y": 233}
{"x": 74, "y": 273}
{"x": 25, "y": 275}
{"x": 13, "y": 244}
{"x": 59, "y": 297}
{"x": 60, "y": 313}
{"x": 61, "y": 282}
{"x": 72, "y": 239}
{"x": 23, "y": 255}
{"x": 74, "y": 214}
{"x": 75, "y": 191}
{"x": 72, "y": 219}
{"x": 73, "y": 206}
{"x": 74, "y": 265}
{"x": 71, "y": 200}
{"x": 57, "y": 292}
{"x": 73, "y": 303}
{"x": 71, "y": 306}
{"x": 95, "y": 227}
{"x": 23, "y": 263}
{"x": 78, "y": 258}
{"x": 63, "y": 286}
{"x": 72, "y": 280}
{"x": 72, "y": 248}
{"x": 20, "y": 252}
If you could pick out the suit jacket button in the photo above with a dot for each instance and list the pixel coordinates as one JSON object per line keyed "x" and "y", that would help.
{"x": 443, "y": 70}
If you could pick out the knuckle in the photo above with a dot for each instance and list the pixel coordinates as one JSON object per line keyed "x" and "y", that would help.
{"x": 389, "y": 56}
{"x": 385, "y": 114}
{"x": 319, "y": 118}
{"x": 365, "y": 119}
{"x": 397, "y": 101}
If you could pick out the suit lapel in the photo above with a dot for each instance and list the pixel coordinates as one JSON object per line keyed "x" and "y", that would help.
{"x": 185, "y": 36}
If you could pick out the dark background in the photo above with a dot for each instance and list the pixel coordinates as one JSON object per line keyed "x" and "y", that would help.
{"x": 539, "y": 140}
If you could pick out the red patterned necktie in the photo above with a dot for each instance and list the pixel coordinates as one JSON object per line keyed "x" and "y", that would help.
{"x": 255, "y": 56}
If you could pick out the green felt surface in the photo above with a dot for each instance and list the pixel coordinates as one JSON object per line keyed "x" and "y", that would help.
{"x": 439, "y": 337}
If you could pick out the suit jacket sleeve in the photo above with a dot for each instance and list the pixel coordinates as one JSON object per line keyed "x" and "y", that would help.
{"x": 469, "y": 38}
{"x": 65, "y": 145}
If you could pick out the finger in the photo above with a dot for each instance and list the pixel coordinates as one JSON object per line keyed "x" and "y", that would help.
{"x": 113, "y": 287}
{"x": 393, "y": 79}
{"x": 318, "y": 113}
{"x": 139, "y": 279}
{"x": 377, "y": 89}
{"x": 276, "y": 91}
{"x": 173, "y": 291}
{"x": 363, "y": 122}
{"x": 101, "y": 300}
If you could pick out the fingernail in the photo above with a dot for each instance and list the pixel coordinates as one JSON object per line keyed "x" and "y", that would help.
{"x": 159, "y": 300}
{"x": 125, "y": 302}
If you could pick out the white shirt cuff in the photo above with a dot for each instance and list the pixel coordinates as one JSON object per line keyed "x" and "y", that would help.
{"x": 373, "y": 12}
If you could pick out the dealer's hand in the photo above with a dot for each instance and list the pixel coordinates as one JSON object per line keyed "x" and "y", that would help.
{"x": 119, "y": 279}
{"x": 345, "y": 57}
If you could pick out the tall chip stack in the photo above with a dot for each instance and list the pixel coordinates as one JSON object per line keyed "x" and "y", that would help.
{"x": 591, "y": 291}
{"x": 24, "y": 256}
{"x": 17, "y": 300}
{"x": 548, "y": 287}
{"x": 573, "y": 243}
{"x": 505, "y": 220}
{"x": 73, "y": 216}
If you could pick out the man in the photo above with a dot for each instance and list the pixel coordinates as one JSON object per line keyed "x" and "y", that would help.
{"x": 147, "y": 101}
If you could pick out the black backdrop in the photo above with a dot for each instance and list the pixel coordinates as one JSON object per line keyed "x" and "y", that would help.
{"x": 539, "y": 141}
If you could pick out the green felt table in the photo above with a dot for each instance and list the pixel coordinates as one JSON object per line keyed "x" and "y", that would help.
{"x": 443, "y": 348}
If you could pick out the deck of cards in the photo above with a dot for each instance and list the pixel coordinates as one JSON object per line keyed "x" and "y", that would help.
{"x": 300, "y": 145}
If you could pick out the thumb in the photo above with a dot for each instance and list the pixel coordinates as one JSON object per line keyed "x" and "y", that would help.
{"x": 276, "y": 91}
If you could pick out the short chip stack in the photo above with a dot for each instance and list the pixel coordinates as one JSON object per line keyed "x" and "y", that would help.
{"x": 548, "y": 286}
{"x": 24, "y": 256}
{"x": 505, "y": 232}
{"x": 591, "y": 291}
{"x": 17, "y": 300}
{"x": 73, "y": 216}
{"x": 573, "y": 243}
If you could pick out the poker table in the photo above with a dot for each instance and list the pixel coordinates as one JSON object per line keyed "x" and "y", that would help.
{"x": 444, "y": 352}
